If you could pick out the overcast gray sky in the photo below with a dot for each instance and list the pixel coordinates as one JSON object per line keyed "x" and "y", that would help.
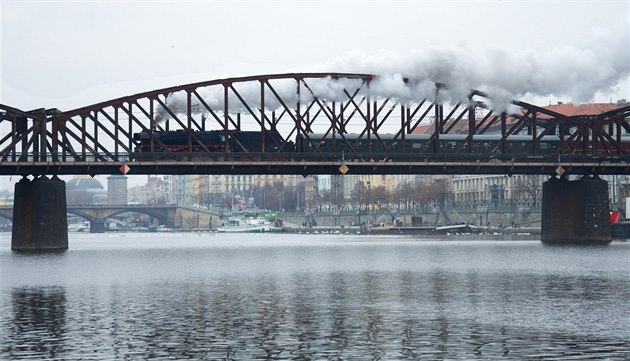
{"x": 68, "y": 54}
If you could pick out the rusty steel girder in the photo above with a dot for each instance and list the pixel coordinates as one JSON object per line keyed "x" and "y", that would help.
{"x": 308, "y": 117}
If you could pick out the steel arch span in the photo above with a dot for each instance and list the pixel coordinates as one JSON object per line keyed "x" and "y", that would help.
{"x": 311, "y": 123}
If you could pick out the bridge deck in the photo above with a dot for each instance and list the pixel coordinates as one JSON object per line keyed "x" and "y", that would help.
{"x": 310, "y": 167}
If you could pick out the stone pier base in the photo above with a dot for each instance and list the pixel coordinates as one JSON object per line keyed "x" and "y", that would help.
{"x": 575, "y": 211}
{"x": 97, "y": 226}
{"x": 40, "y": 221}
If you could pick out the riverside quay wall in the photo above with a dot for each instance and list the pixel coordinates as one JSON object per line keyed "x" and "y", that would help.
{"x": 485, "y": 216}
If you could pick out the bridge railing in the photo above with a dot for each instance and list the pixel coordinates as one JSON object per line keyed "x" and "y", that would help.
{"x": 49, "y": 158}
{"x": 341, "y": 158}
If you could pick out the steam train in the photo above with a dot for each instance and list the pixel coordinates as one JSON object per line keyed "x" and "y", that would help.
{"x": 211, "y": 141}
{"x": 483, "y": 146}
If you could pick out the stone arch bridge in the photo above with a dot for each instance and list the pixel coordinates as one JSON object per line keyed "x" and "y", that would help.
{"x": 171, "y": 216}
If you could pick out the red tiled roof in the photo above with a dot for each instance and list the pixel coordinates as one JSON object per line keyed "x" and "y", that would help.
{"x": 567, "y": 109}
{"x": 571, "y": 110}
{"x": 424, "y": 129}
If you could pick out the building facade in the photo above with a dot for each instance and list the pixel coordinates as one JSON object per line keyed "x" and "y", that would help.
{"x": 117, "y": 190}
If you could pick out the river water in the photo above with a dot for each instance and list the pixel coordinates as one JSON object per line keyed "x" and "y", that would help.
{"x": 314, "y": 297}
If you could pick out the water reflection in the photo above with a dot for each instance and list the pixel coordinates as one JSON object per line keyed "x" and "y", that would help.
{"x": 296, "y": 304}
{"x": 38, "y": 323}
{"x": 439, "y": 315}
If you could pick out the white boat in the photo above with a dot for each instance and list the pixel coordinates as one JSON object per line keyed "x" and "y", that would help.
{"x": 247, "y": 225}
{"x": 79, "y": 227}
{"x": 160, "y": 228}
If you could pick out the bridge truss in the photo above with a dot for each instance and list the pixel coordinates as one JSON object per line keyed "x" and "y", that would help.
{"x": 311, "y": 123}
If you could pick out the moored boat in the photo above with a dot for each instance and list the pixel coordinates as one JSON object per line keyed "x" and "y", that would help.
{"x": 620, "y": 228}
{"x": 247, "y": 225}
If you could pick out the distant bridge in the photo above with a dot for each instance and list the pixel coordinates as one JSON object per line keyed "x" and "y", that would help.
{"x": 311, "y": 123}
{"x": 170, "y": 216}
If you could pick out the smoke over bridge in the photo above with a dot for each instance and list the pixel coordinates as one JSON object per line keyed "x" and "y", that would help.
{"x": 595, "y": 66}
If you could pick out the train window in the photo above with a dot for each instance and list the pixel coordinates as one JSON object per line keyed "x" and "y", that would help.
{"x": 416, "y": 145}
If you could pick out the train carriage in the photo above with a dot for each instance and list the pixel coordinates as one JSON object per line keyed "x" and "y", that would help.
{"x": 351, "y": 146}
{"x": 209, "y": 142}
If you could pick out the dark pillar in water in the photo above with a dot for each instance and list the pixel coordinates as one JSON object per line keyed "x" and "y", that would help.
{"x": 575, "y": 211}
{"x": 40, "y": 221}
{"x": 97, "y": 226}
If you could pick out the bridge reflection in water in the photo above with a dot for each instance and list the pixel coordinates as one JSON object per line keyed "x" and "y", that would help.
{"x": 316, "y": 297}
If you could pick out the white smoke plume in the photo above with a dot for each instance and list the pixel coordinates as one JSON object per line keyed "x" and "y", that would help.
{"x": 577, "y": 72}
{"x": 323, "y": 88}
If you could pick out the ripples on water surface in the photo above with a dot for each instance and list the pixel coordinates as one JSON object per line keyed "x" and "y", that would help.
{"x": 324, "y": 297}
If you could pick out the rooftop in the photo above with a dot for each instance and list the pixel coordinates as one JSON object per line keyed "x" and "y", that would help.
{"x": 567, "y": 109}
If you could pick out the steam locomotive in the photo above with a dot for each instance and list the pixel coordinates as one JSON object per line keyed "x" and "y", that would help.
{"x": 211, "y": 141}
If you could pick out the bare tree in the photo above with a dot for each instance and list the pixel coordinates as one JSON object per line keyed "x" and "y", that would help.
{"x": 441, "y": 193}
{"x": 403, "y": 195}
{"x": 357, "y": 194}
{"x": 376, "y": 196}
{"x": 530, "y": 188}
{"x": 272, "y": 196}
{"x": 331, "y": 197}
{"x": 421, "y": 194}
{"x": 438, "y": 192}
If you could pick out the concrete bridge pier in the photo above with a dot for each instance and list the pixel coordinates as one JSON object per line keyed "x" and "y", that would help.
{"x": 97, "y": 226}
{"x": 40, "y": 222}
{"x": 575, "y": 212}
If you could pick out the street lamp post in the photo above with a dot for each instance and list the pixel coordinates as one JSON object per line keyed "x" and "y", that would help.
{"x": 297, "y": 195}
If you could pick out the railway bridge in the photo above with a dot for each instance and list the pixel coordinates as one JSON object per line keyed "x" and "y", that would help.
{"x": 313, "y": 123}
